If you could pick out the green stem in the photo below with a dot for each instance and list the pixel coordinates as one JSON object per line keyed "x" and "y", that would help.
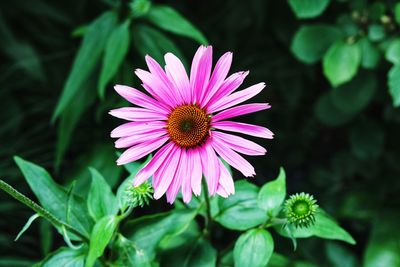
{"x": 39, "y": 210}
{"x": 207, "y": 228}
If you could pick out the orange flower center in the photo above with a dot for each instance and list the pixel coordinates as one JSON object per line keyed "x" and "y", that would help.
{"x": 188, "y": 125}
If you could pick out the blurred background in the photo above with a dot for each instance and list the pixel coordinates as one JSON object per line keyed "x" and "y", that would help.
{"x": 332, "y": 70}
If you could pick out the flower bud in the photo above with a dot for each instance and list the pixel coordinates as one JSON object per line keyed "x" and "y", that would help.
{"x": 300, "y": 209}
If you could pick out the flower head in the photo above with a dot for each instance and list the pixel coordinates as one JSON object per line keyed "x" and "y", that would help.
{"x": 184, "y": 118}
{"x": 138, "y": 196}
{"x": 300, "y": 209}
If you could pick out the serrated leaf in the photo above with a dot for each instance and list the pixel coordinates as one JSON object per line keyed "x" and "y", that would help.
{"x": 341, "y": 62}
{"x": 394, "y": 84}
{"x": 171, "y": 20}
{"x": 311, "y": 42}
{"x": 308, "y": 8}
{"x": 253, "y": 248}
{"x": 101, "y": 200}
{"x": 272, "y": 194}
{"x": 240, "y": 211}
{"x": 116, "y": 49}
{"x": 88, "y": 55}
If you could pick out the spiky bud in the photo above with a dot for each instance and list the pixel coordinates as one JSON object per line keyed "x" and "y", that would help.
{"x": 300, "y": 209}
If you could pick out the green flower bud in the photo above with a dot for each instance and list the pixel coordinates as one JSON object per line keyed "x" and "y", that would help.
{"x": 140, "y": 195}
{"x": 300, "y": 209}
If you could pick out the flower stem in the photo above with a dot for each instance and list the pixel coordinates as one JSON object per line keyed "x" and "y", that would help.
{"x": 207, "y": 228}
{"x": 40, "y": 210}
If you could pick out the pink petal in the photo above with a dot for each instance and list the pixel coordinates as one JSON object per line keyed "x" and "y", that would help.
{"x": 221, "y": 192}
{"x": 186, "y": 181}
{"x": 226, "y": 180}
{"x": 154, "y": 163}
{"x": 243, "y": 128}
{"x": 140, "y": 99}
{"x": 240, "y": 110}
{"x": 233, "y": 158}
{"x": 137, "y": 114}
{"x": 210, "y": 166}
{"x": 180, "y": 174}
{"x": 177, "y": 75}
{"x": 129, "y": 141}
{"x": 164, "y": 175}
{"x": 196, "y": 171}
{"x": 228, "y": 86}
{"x": 200, "y": 71}
{"x": 240, "y": 144}
{"x": 141, "y": 150}
{"x": 133, "y": 128}
{"x": 217, "y": 78}
{"x": 236, "y": 98}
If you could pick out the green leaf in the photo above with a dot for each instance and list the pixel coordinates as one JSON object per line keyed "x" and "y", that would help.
{"x": 115, "y": 51}
{"x": 327, "y": 112}
{"x": 311, "y": 42}
{"x": 394, "y": 84}
{"x": 272, "y": 194}
{"x": 383, "y": 246}
{"x": 240, "y": 211}
{"x": 393, "y": 51}
{"x": 101, "y": 201}
{"x": 27, "y": 225}
{"x": 370, "y": 54}
{"x": 139, "y": 8}
{"x": 101, "y": 234}
{"x": 376, "y": 32}
{"x": 54, "y": 197}
{"x": 129, "y": 254}
{"x": 308, "y": 8}
{"x": 154, "y": 43}
{"x": 341, "y": 62}
{"x": 86, "y": 59}
{"x": 65, "y": 257}
{"x": 367, "y": 140}
{"x": 324, "y": 227}
{"x": 355, "y": 95}
{"x": 397, "y": 13}
{"x": 339, "y": 256}
{"x": 171, "y": 20}
{"x": 148, "y": 231}
{"x": 253, "y": 248}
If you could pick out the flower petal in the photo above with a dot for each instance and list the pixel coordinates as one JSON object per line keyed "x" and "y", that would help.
{"x": 200, "y": 71}
{"x": 187, "y": 177}
{"x": 240, "y": 144}
{"x": 133, "y": 128}
{"x": 180, "y": 174}
{"x": 140, "y": 99}
{"x": 240, "y": 110}
{"x": 243, "y": 128}
{"x": 226, "y": 180}
{"x": 236, "y": 98}
{"x": 154, "y": 164}
{"x": 177, "y": 75}
{"x": 210, "y": 166}
{"x": 129, "y": 141}
{"x": 137, "y": 114}
{"x": 196, "y": 172}
{"x": 141, "y": 150}
{"x": 217, "y": 78}
{"x": 233, "y": 158}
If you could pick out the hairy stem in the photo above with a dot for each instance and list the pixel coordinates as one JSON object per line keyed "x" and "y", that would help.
{"x": 40, "y": 210}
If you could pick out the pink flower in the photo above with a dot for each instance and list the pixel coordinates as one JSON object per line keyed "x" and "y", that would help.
{"x": 186, "y": 118}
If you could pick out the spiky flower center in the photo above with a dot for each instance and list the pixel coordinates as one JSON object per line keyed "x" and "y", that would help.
{"x": 188, "y": 125}
{"x": 300, "y": 209}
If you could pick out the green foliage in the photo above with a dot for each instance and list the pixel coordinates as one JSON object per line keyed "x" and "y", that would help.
{"x": 394, "y": 84}
{"x": 272, "y": 194}
{"x": 308, "y": 8}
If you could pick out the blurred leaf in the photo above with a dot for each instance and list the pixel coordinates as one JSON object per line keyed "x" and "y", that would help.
{"x": 367, "y": 139}
{"x": 370, "y": 55}
{"x": 115, "y": 51}
{"x": 272, "y": 194}
{"x": 15, "y": 262}
{"x": 101, "y": 234}
{"x": 64, "y": 257}
{"x": 393, "y": 51}
{"x": 46, "y": 236}
{"x": 27, "y": 225}
{"x": 240, "y": 211}
{"x": 376, "y": 10}
{"x": 54, "y": 197}
{"x": 394, "y": 84}
{"x": 148, "y": 231}
{"x": 86, "y": 59}
{"x": 355, "y": 95}
{"x": 376, "y": 32}
{"x": 327, "y": 112}
{"x": 129, "y": 254}
{"x": 101, "y": 201}
{"x": 308, "y": 8}
{"x": 397, "y": 13}
{"x": 253, "y": 248}
{"x": 324, "y": 227}
{"x": 154, "y": 43}
{"x": 339, "y": 256}
{"x": 140, "y": 8}
{"x": 311, "y": 42}
{"x": 341, "y": 62}
{"x": 171, "y": 20}
{"x": 383, "y": 248}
